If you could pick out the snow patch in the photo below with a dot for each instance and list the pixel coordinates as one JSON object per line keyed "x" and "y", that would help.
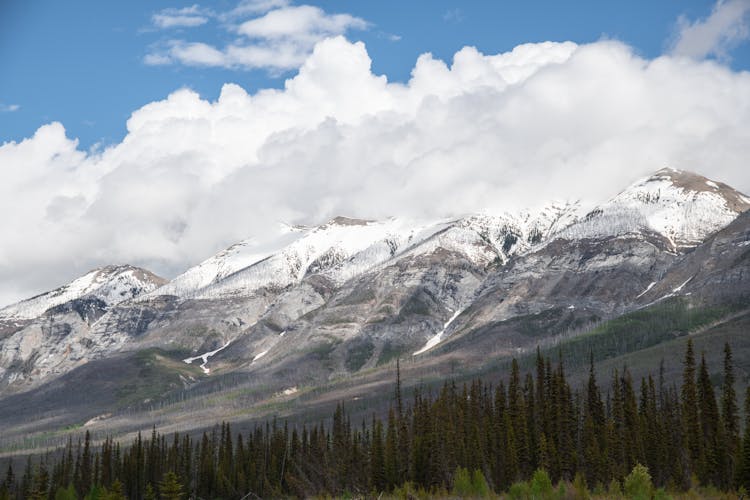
{"x": 435, "y": 340}
{"x": 97, "y": 418}
{"x": 712, "y": 184}
{"x": 649, "y": 287}
{"x": 205, "y": 357}
{"x": 681, "y": 286}
{"x": 260, "y": 355}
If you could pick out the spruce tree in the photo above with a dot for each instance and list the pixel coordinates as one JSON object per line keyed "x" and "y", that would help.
{"x": 517, "y": 414}
{"x": 391, "y": 464}
{"x": 566, "y": 425}
{"x": 730, "y": 420}
{"x": 593, "y": 435}
{"x": 743, "y": 474}
{"x": 633, "y": 443}
{"x": 170, "y": 487}
{"x": 709, "y": 419}
{"x": 377, "y": 454}
{"x": 689, "y": 399}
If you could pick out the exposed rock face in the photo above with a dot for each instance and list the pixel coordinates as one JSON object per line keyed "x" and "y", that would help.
{"x": 716, "y": 272}
{"x": 54, "y": 332}
{"x": 352, "y": 294}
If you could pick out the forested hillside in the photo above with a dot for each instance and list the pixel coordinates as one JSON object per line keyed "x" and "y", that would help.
{"x": 478, "y": 439}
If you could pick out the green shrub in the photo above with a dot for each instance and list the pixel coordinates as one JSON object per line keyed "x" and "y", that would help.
{"x": 479, "y": 484}
{"x": 541, "y": 485}
{"x": 580, "y": 491}
{"x": 410, "y": 491}
{"x": 461, "y": 482}
{"x": 470, "y": 485}
{"x": 519, "y": 491}
{"x": 562, "y": 493}
{"x": 68, "y": 493}
{"x": 614, "y": 490}
{"x": 638, "y": 483}
{"x": 661, "y": 494}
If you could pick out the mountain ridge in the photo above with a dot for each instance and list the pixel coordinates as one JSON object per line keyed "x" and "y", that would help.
{"x": 354, "y": 294}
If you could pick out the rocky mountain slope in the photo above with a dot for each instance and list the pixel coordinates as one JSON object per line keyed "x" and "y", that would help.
{"x": 54, "y": 332}
{"x": 323, "y": 304}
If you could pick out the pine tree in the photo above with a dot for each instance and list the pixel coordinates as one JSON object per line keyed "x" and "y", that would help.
{"x": 9, "y": 482}
{"x": 150, "y": 493}
{"x": 593, "y": 435}
{"x": 689, "y": 399}
{"x": 730, "y": 420}
{"x": 565, "y": 425}
{"x": 377, "y": 453}
{"x": 708, "y": 471}
{"x": 743, "y": 474}
{"x": 652, "y": 430}
{"x": 391, "y": 465}
{"x": 633, "y": 443}
{"x": 517, "y": 414}
{"x": 402, "y": 463}
{"x": 170, "y": 487}
{"x": 500, "y": 476}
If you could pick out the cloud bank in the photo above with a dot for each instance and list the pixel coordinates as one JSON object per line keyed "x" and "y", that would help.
{"x": 487, "y": 132}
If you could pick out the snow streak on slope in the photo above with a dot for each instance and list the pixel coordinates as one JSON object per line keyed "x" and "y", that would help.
{"x": 438, "y": 336}
{"x": 681, "y": 206}
{"x": 644, "y": 292}
{"x": 111, "y": 284}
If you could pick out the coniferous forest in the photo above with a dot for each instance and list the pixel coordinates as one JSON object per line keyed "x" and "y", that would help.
{"x": 516, "y": 437}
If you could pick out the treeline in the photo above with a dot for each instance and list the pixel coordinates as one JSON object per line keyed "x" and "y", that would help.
{"x": 477, "y": 436}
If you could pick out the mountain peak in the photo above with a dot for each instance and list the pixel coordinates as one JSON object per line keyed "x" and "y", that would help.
{"x": 112, "y": 284}
{"x": 683, "y": 207}
{"x": 696, "y": 183}
{"x": 341, "y": 220}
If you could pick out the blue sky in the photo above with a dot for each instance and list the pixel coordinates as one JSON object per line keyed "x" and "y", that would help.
{"x": 82, "y": 62}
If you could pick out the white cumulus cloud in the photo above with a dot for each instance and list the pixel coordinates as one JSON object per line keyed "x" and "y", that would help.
{"x": 187, "y": 17}
{"x": 727, "y": 26}
{"x": 484, "y": 132}
{"x": 246, "y": 7}
{"x": 279, "y": 37}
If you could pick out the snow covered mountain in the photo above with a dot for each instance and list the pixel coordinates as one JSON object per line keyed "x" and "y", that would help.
{"x": 683, "y": 207}
{"x": 344, "y": 248}
{"x": 110, "y": 284}
{"x": 341, "y": 248}
{"x": 51, "y": 333}
{"x": 364, "y": 291}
